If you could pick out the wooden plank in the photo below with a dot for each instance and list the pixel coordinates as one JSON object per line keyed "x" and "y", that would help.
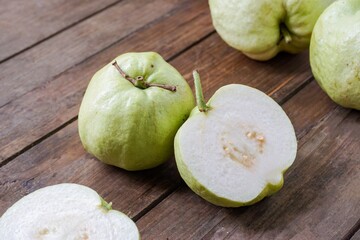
{"x": 42, "y": 63}
{"x": 320, "y": 198}
{"x": 46, "y": 164}
{"x": 54, "y": 104}
{"x": 219, "y": 65}
{"x": 308, "y": 108}
{"x": 43, "y": 18}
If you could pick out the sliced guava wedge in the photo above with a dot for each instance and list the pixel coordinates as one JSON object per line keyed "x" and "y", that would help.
{"x": 234, "y": 150}
{"x": 63, "y": 212}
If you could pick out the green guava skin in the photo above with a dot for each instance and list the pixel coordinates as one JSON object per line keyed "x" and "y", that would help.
{"x": 253, "y": 27}
{"x": 130, "y": 127}
{"x": 335, "y": 53}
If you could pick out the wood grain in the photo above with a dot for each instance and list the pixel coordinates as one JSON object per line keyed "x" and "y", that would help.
{"x": 57, "y": 101}
{"x": 24, "y": 23}
{"x": 320, "y": 191}
{"x": 43, "y": 62}
{"x": 218, "y": 65}
{"x": 50, "y": 49}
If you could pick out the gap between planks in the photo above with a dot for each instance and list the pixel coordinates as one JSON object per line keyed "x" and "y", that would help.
{"x": 60, "y": 31}
{"x": 28, "y": 147}
{"x": 78, "y": 29}
{"x": 354, "y": 233}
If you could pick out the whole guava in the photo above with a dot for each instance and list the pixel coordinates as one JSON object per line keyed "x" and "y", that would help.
{"x": 335, "y": 52}
{"x": 132, "y": 109}
{"x": 262, "y": 28}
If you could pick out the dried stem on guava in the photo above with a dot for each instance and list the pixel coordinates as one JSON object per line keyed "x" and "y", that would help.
{"x": 140, "y": 82}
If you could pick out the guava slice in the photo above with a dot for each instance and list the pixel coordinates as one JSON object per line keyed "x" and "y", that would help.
{"x": 65, "y": 211}
{"x": 234, "y": 150}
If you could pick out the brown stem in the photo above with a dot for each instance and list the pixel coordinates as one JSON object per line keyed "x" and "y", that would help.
{"x": 123, "y": 74}
{"x": 167, "y": 87}
{"x": 140, "y": 82}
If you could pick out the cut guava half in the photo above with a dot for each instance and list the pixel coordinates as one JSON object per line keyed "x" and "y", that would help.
{"x": 63, "y": 212}
{"x": 234, "y": 150}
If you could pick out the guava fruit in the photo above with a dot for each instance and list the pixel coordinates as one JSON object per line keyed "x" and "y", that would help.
{"x": 234, "y": 150}
{"x": 335, "y": 52}
{"x": 262, "y": 28}
{"x": 132, "y": 109}
{"x": 65, "y": 211}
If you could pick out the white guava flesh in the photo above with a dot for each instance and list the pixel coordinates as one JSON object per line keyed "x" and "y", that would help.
{"x": 65, "y": 212}
{"x": 235, "y": 154}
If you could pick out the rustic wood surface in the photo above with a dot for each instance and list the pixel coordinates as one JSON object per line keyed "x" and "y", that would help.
{"x": 50, "y": 49}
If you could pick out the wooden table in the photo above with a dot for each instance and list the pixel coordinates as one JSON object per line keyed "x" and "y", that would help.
{"x": 50, "y": 49}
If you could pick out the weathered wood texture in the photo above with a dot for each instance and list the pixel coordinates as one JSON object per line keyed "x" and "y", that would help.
{"x": 49, "y": 62}
{"x": 41, "y": 63}
{"x": 24, "y": 23}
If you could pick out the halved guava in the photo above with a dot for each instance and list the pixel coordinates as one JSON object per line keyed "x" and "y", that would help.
{"x": 65, "y": 212}
{"x": 235, "y": 152}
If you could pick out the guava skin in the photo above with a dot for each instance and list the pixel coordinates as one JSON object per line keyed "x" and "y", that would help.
{"x": 253, "y": 27}
{"x": 130, "y": 127}
{"x": 335, "y": 53}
